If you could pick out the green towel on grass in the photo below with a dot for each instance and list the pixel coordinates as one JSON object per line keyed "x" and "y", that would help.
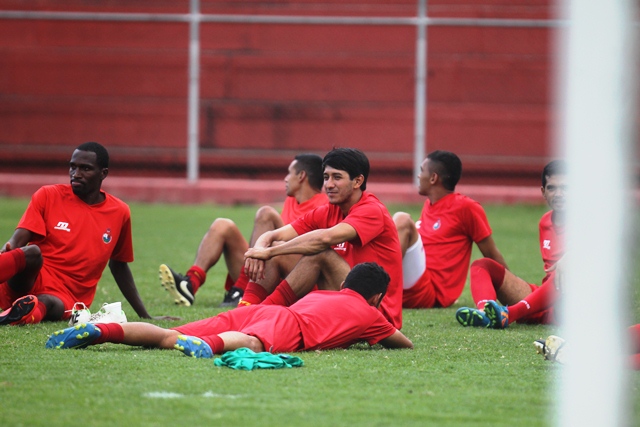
{"x": 247, "y": 360}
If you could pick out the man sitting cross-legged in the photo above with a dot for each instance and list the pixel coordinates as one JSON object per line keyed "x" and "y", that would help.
{"x": 318, "y": 321}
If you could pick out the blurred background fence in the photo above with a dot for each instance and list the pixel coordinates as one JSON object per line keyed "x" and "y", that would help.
{"x": 277, "y": 78}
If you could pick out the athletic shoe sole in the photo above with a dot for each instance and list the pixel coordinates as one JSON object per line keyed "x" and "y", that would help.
{"x": 20, "y": 312}
{"x": 472, "y": 317}
{"x": 193, "y": 347}
{"x": 168, "y": 282}
{"x": 78, "y": 336}
{"x": 498, "y": 315}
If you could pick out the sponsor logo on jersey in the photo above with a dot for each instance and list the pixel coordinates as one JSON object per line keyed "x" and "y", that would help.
{"x": 437, "y": 224}
{"x": 64, "y": 226}
{"x": 546, "y": 244}
{"x": 106, "y": 237}
{"x": 418, "y": 224}
{"x": 340, "y": 247}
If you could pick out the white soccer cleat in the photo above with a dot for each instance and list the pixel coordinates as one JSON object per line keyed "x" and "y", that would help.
{"x": 79, "y": 314}
{"x": 551, "y": 348}
{"x": 109, "y": 313}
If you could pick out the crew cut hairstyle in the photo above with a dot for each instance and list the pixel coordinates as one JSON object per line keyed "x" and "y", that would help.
{"x": 554, "y": 167}
{"x": 312, "y": 165}
{"x": 448, "y": 167}
{"x": 350, "y": 160}
{"x": 367, "y": 279}
{"x": 102, "y": 155}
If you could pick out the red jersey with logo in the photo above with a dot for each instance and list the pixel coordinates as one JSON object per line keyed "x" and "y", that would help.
{"x": 76, "y": 240}
{"x": 377, "y": 241}
{"x": 448, "y": 230}
{"x": 293, "y": 210}
{"x": 551, "y": 242}
{"x": 320, "y": 320}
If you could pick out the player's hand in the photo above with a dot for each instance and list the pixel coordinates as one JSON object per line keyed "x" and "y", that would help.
{"x": 257, "y": 253}
{"x": 254, "y": 269}
{"x": 559, "y": 269}
{"x": 5, "y": 248}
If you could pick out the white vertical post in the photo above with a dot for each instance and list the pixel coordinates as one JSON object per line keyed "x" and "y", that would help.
{"x": 421, "y": 89}
{"x": 598, "y": 96}
{"x": 194, "y": 92}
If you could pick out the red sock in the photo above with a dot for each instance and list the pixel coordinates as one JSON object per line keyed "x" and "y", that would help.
{"x": 38, "y": 313}
{"x": 110, "y": 332}
{"x": 228, "y": 283}
{"x": 253, "y": 294}
{"x": 11, "y": 263}
{"x": 242, "y": 281}
{"x": 197, "y": 276}
{"x": 215, "y": 342}
{"x": 537, "y": 301}
{"x": 282, "y": 295}
{"x": 487, "y": 276}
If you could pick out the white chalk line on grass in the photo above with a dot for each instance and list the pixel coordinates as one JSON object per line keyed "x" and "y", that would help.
{"x": 171, "y": 395}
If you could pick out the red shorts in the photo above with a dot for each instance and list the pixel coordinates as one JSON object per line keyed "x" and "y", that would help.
{"x": 273, "y": 325}
{"x": 421, "y": 295}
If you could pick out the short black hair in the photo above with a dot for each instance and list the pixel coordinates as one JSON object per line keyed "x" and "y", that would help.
{"x": 312, "y": 165}
{"x": 448, "y": 167}
{"x": 350, "y": 160}
{"x": 554, "y": 167}
{"x": 102, "y": 155}
{"x": 367, "y": 279}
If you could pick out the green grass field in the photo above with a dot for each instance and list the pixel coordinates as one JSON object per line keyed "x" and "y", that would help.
{"x": 454, "y": 376}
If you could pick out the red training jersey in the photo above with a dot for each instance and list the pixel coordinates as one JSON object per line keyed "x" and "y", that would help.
{"x": 293, "y": 210}
{"x": 551, "y": 242}
{"x": 320, "y": 320}
{"x": 76, "y": 239}
{"x": 377, "y": 242}
{"x": 448, "y": 229}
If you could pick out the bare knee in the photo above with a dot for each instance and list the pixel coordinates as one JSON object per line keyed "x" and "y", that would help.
{"x": 403, "y": 221}
{"x": 267, "y": 214}
{"x": 33, "y": 257}
{"x": 407, "y": 232}
{"x": 254, "y": 344}
{"x": 222, "y": 226}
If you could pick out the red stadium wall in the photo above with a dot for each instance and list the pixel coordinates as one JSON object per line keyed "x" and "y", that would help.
{"x": 269, "y": 91}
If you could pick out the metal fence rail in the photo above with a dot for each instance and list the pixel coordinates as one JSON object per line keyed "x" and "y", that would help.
{"x": 195, "y": 18}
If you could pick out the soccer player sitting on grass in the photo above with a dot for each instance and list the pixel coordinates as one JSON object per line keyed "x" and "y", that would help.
{"x": 436, "y": 249}
{"x": 321, "y": 247}
{"x": 303, "y": 185}
{"x": 79, "y": 229}
{"x": 321, "y": 320}
{"x": 522, "y": 302}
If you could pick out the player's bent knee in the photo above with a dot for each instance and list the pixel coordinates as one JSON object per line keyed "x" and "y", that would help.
{"x": 266, "y": 214}
{"x": 33, "y": 256}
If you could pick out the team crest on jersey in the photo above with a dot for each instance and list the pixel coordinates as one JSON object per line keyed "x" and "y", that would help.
{"x": 106, "y": 237}
{"x": 436, "y": 225}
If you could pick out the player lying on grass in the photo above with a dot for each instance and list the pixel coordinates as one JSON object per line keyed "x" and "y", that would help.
{"x": 320, "y": 320}
{"x": 523, "y": 302}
